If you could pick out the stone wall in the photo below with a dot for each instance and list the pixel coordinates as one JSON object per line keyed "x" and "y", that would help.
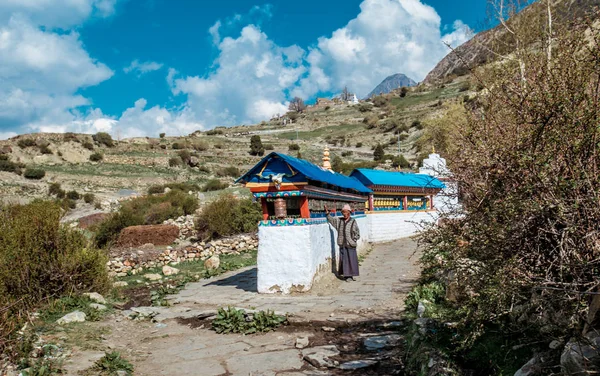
{"x": 135, "y": 260}
{"x": 385, "y": 227}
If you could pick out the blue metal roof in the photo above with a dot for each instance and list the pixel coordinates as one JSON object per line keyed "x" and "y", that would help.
{"x": 399, "y": 179}
{"x": 297, "y": 170}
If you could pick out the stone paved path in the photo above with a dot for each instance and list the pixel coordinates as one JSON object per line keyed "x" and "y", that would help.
{"x": 387, "y": 274}
{"x": 169, "y": 348}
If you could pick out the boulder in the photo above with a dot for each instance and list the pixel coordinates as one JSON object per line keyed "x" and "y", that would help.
{"x": 380, "y": 342}
{"x": 99, "y": 307}
{"x": 357, "y": 364}
{"x": 95, "y": 297}
{"x": 76, "y": 316}
{"x": 193, "y": 161}
{"x": 168, "y": 270}
{"x": 581, "y": 356}
{"x": 212, "y": 263}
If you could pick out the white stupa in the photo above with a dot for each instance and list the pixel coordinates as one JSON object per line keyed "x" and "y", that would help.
{"x": 435, "y": 165}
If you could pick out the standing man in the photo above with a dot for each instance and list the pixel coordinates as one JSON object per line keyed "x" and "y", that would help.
{"x": 348, "y": 235}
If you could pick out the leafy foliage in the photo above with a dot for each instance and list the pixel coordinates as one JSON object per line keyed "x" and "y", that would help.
{"x": 41, "y": 259}
{"x": 293, "y": 147}
{"x": 112, "y": 362}
{"x": 231, "y": 320}
{"x": 214, "y": 185}
{"x": 230, "y": 171}
{"x": 104, "y": 138}
{"x": 96, "y": 157}
{"x": 228, "y": 215}
{"x": 378, "y": 153}
{"x": 26, "y": 142}
{"x": 34, "y": 173}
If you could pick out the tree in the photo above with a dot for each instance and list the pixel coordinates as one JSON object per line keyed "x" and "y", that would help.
{"x": 378, "y": 153}
{"x": 297, "y": 105}
{"x": 400, "y": 161}
{"x": 403, "y": 91}
{"x": 256, "y": 146}
{"x": 345, "y": 94}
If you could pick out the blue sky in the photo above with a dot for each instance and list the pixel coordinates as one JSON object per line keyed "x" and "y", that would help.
{"x": 140, "y": 67}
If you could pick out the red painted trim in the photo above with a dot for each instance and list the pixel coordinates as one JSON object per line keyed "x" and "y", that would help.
{"x": 265, "y": 209}
{"x": 273, "y": 189}
{"x": 304, "y": 210}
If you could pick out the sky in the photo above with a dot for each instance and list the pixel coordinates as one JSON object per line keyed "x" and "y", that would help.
{"x": 142, "y": 67}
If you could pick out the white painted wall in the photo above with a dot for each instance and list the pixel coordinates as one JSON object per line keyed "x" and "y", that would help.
{"x": 290, "y": 257}
{"x": 385, "y": 227}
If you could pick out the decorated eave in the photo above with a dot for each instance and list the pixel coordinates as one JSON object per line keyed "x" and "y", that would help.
{"x": 280, "y": 175}
{"x": 398, "y": 182}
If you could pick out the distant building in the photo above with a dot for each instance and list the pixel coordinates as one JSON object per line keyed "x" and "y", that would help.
{"x": 354, "y": 100}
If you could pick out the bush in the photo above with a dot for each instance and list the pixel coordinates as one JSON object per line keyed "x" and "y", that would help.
{"x": 380, "y": 101}
{"x": 162, "y": 135}
{"x": 41, "y": 259}
{"x": 156, "y": 189}
{"x": 89, "y": 198}
{"x": 34, "y": 173}
{"x": 294, "y": 147}
{"x": 185, "y": 156}
{"x": 177, "y": 146}
{"x": 230, "y": 171}
{"x": 111, "y": 363}
{"x": 359, "y": 144}
{"x": 228, "y": 215}
{"x": 175, "y": 162}
{"x": 54, "y": 189}
{"x": 147, "y": 210}
{"x": 403, "y": 92}
{"x": 70, "y": 136}
{"x": 103, "y": 138}
{"x": 200, "y": 146}
{"x": 365, "y": 107}
{"x": 44, "y": 149}
{"x": 214, "y": 132}
{"x": 256, "y": 147}
{"x": 371, "y": 121}
{"x": 204, "y": 168}
{"x": 26, "y": 143}
{"x": 183, "y": 187}
{"x": 269, "y": 147}
{"x": 96, "y": 157}
{"x": 73, "y": 195}
{"x": 465, "y": 86}
{"x": 214, "y": 185}
{"x": 347, "y": 153}
{"x": 8, "y": 166}
{"x": 68, "y": 203}
{"x": 417, "y": 124}
{"x": 88, "y": 145}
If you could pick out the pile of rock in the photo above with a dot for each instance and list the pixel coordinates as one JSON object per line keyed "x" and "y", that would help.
{"x": 185, "y": 224}
{"x": 136, "y": 260}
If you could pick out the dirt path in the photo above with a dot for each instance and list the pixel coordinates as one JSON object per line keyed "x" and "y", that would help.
{"x": 182, "y": 344}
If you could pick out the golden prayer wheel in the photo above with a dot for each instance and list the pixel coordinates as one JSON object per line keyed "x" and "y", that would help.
{"x": 280, "y": 208}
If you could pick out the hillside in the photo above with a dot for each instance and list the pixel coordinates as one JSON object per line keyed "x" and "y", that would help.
{"x": 390, "y": 83}
{"x": 488, "y": 45}
{"x": 133, "y": 165}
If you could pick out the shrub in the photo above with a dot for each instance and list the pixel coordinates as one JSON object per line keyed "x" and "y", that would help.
{"x": 164, "y": 147}
{"x": 73, "y": 195}
{"x": 269, "y": 147}
{"x": 256, "y": 147}
{"x": 111, "y": 363}
{"x": 8, "y": 166}
{"x": 371, "y": 121}
{"x": 161, "y": 135}
{"x": 359, "y": 144}
{"x": 34, "y": 173}
{"x": 214, "y": 132}
{"x": 294, "y": 147}
{"x": 89, "y": 198}
{"x": 347, "y": 153}
{"x": 175, "y": 162}
{"x": 68, "y": 203}
{"x": 26, "y": 143}
{"x": 183, "y": 187}
{"x": 380, "y": 101}
{"x": 228, "y": 215}
{"x": 365, "y": 107}
{"x": 200, "y": 146}
{"x": 177, "y": 146}
{"x": 231, "y": 171}
{"x": 41, "y": 259}
{"x": 185, "y": 156}
{"x": 104, "y": 138}
{"x": 204, "y": 168}
{"x": 403, "y": 92}
{"x": 465, "y": 86}
{"x": 214, "y": 185}
{"x": 88, "y": 145}
{"x": 156, "y": 189}
{"x": 70, "y": 136}
{"x": 44, "y": 149}
{"x": 417, "y": 124}
{"x": 54, "y": 188}
{"x": 96, "y": 157}
{"x": 378, "y": 153}
{"x": 293, "y": 116}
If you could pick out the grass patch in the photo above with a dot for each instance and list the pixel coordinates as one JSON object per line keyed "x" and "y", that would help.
{"x": 231, "y": 320}
{"x": 60, "y": 307}
{"x": 112, "y": 362}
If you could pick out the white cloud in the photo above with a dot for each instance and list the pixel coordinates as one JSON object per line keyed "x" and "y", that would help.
{"x": 248, "y": 84}
{"x": 56, "y": 13}
{"x": 142, "y": 68}
{"x": 387, "y": 37}
{"x": 7, "y": 135}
